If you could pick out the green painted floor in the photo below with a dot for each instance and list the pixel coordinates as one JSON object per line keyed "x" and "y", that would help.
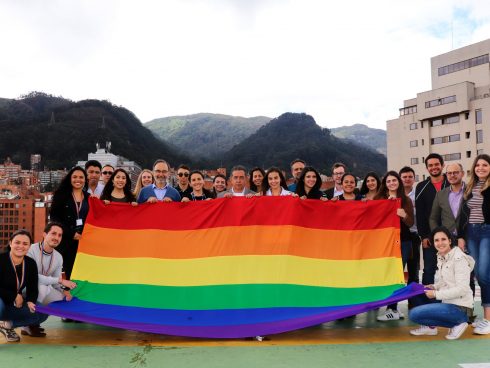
{"x": 357, "y": 342}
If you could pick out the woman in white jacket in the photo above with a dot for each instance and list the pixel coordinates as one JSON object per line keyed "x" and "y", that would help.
{"x": 452, "y": 288}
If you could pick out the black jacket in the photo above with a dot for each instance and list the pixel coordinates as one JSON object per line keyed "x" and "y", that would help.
{"x": 465, "y": 211}
{"x": 63, "y": 210}
{"x": 425, "y": 192}
{"x": 8, "y": 280}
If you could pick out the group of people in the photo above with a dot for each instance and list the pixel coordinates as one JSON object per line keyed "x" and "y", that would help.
{"x": 444, "y": 217}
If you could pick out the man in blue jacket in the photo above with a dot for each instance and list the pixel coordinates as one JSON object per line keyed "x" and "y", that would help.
{"x": 160, "y": 191}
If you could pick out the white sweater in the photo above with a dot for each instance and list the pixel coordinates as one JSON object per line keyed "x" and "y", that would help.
{"x": 453, "y": 278}
{"x": 53, "y": 276}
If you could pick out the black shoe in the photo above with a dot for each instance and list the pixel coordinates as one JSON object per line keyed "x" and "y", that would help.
{"x": 32, "y": 331}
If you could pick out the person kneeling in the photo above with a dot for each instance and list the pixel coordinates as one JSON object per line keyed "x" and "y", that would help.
{"x": 52, "y": 287}
{"x": 18, "y": 275}
{"x": 452, "y": 288}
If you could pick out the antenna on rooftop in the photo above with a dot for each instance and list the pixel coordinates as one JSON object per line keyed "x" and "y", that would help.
{"x": 51, "y": 120}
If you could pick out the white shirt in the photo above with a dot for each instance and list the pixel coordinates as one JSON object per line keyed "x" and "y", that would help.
{"x": 98, "y": 189}
{"x": 238, "y": 194}
{"x": 284, "y": 192}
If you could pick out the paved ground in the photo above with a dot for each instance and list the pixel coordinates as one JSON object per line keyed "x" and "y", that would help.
{"x": 357, "y": 342}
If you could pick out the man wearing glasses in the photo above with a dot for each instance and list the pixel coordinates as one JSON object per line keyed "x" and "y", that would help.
{"x": 183, "y": 186}
{"x": 107, "y": 171}
{"x": 446, "y": 209}
{"x": 160, "y": 191}
{"x": 338, "y": 170}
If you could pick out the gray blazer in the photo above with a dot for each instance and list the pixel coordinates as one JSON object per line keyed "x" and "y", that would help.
{"x": 442, "y": 214}
{"x": 247, "y": 191}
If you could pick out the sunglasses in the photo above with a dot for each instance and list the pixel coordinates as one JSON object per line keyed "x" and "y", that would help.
{"x": 107, "y": 172}
{"x": 183, "y": 174}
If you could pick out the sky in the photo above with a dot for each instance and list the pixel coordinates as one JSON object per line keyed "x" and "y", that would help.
{"x": 341, "y": 62}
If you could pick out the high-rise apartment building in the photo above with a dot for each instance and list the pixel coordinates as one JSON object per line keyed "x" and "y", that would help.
{"x": 452, "y": 119}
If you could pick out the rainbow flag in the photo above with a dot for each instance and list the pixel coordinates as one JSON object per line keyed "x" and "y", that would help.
{"x": 238, "y": 267}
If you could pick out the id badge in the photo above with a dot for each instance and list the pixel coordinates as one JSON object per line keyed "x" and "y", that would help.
{"x": 79, "y": 222}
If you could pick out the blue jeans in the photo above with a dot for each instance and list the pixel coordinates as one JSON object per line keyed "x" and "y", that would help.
{"x": 479, "y": 248}
{"x": 406, "y": 252}
{"x": 438, "y": 314}
{"x": 20, "y": 316}
{"x": 430, "y": 265}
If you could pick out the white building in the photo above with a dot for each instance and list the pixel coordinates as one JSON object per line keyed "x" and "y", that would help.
{"x": 451, "y": 119}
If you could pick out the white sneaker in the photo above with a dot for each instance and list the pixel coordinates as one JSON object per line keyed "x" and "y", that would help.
{"x": 455, "y": 332}
{"x": 424, "y": 330}
{"x": 6, "y": 324}
{"x": 390, "y": 315}
{"x": 482, "y": 327}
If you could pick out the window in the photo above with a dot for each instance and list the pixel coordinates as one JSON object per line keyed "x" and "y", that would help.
{"x": 479, "y": 136}
{"x": 416, "y": 178}
{"x": 467, "y": 135}
{"x": 468, "y": 154}
{"x": 451, "y": 119}
{"x": 454, "y": 138}
{"x": 437, "y": 140}
{"x": 452, "y": 157}
{"x": 408, "y": 110}
{"x": 413, "y": 126}
{"x": 444, "y": 121}
{"x": 413, "y": 143}
{"x": 465, "y": 64}
{"x": 440, "y": 101}
{"x": 478, "y": 117}
{"x": 414, "y": 161}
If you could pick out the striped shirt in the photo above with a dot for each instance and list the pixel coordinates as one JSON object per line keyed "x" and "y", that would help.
{"x": 475, "y": 204}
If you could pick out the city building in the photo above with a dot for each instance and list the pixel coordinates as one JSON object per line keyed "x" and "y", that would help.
{"x": 105, "y": 157}
{"x": 451, "y": 119}
{"x": 15, "y": 214}
{"x": 36, "y": 162}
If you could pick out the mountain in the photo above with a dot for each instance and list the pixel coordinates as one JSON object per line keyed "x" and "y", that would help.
{"x": 63, "y": 132}
{"x": 360, "y": 133}
{"x": 205, "y": 135}
{"x": 294, "y": 135}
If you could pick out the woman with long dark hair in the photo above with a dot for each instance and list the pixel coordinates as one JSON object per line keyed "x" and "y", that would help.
{"x": 118, "y": 188}
{"x": 256, "y": 179}
{"x": 309, "y": 183}
{"x": 275, "y": 183}
{"x": 349, "y": 185}
{"x": 196, "y": 181}
{"x": 19, "y": 288}
{"x": 477, "y": 230}
{"x": 370, "y": 186}
{"x": 219, "y": 185}
{"x": 70, "y": 208}
{"x": 392, "y": 188}
{"x": 452, "y": 288}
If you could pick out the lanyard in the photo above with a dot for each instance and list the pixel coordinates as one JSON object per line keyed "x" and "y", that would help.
{"x": 194, "y": 197}
{"x": 19, "y": 284}
{"x": 77, "y": 206}
{"x": 41, "y": 250}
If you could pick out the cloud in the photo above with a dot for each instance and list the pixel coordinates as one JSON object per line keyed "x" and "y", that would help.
{"x": 343, "y": 63}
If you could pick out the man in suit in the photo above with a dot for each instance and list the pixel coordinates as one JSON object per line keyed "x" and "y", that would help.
{"x": 160, "y": 191}
{"x": 238, "y": 178}
{"x": 338, "y": 170}
{"x": 446, "y": 208}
